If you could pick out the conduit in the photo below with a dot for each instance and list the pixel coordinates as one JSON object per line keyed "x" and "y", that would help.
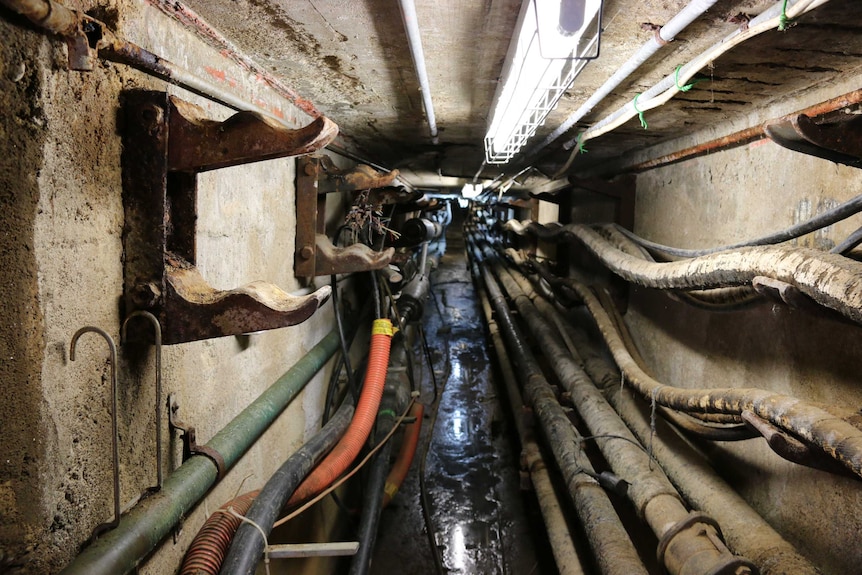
{"x": 414, "y": 40}
{"x": 406, "y": 454}
{"x": 697, "y": 548}
{"x": 56, "y": 18}
{"x": 614, "y": 552}
{"x": 830, "y": 280}
{"x": 559, "y": 536}
{"x": 208, "y": 548}
{"x": 672, "y": 84}
{"x": 143, "y": 528}
{"x": 351, "y": 444}
{"x": 832, "y": 434}
{"x": 248, "y": 544}
{"x": 663, "y": 36}
{"x": 743, "y": 528}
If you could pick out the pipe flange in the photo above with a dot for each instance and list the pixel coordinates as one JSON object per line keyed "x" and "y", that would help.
{"x": 693, "y": 518}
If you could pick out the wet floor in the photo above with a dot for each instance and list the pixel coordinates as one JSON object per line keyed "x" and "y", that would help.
{"x": 477, "y": 510}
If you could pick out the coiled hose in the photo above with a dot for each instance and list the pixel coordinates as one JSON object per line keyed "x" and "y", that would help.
{"x": 363, "y": 420}
{"x": 209, "y": 547}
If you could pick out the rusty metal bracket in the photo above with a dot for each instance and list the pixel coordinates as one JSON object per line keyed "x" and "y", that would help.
{"x": 792, "y": 449}
{"x": 839, "y": 142}
{"x": 189, "y": 438}
{"x": 316, "y": 255}
{"x": 166, "y": 142}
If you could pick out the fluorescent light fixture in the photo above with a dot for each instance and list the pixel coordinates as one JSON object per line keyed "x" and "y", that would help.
{"x": 555, "y": 39}
{"x": 470, "y": 191}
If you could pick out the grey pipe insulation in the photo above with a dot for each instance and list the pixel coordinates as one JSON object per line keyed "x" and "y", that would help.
{"x": 829, "y": 279}
{"x": 610, "y": 543}
{"x": 655, "y": 499}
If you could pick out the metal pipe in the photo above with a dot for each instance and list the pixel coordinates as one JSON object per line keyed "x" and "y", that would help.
{"x": 743, "y": 136}
{"x": 655, "y": 499}
{"x": 47, "y": 14}
{"x": 559, "y": 536}
{"x": 144, "y": 527}
{"x": 414, "y": 39}
{"x": 743, "y": 528}
{"x": 666, "y": 34}
{"x": 614, "y": 551}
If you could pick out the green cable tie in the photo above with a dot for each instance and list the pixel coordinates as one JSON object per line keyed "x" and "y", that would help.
{"x": 783, "y": 20}
{"x": 581, "y": 148}
{"x": 389, "y": 412}
{"x": 687, "y": 87}
{"x": 640, "y": 113}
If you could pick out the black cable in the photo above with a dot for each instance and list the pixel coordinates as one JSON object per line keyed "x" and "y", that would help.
{"x": 330, "y": 389}
{"x": 848, "y": 244}
{"x": 827, "y": 218}
{"x": 430, "y": 361}
{"x": 248, "y": 543}
{"x": 378, "y": 310}
{"x": 339, "y": 321}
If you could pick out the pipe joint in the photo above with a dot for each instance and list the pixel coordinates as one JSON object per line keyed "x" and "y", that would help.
{"x": 694, "y": 546}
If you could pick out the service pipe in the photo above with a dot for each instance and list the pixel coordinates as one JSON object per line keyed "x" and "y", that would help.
{"x": 143, "y": 528}
{"x": 662, "y": 37}
{"x": 615, "y": 554}
{"x": 743, "y": 528}
{"x": 414, "y": 40}
{"x": 655, "y": 499}
{"x": 559, "y": 535}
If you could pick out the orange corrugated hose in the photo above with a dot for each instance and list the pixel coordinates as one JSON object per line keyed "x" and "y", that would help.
{"x": 209, "y": 547}
{"x": 343, "y": 454}
{"x": 405, "y": 455}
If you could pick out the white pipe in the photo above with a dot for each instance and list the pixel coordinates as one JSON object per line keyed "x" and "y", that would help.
{"x": 666, "y": 34}
{"x": 411, "y": 26}
{"x": 669, "y": 86}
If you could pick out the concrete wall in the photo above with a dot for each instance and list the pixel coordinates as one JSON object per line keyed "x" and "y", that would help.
{"x": 728, "y": 197}
{"x": 61, "y": 254}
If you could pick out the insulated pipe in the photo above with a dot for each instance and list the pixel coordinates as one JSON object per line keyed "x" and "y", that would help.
{"x": 414, "y": 40}
{"x": 655, "y": 499}
{"x": 559, "y": 536}
{"x": 366, "y": 411}
{"x": 666, "y": 34}
{"x": 143, "y": 528}
{"x": 830, "y": 433}
{"x": 830, "y": 280}
{"x": 743, "y": 528}
{"x": 615, "y": 554}
{"x": 247, "y": 545}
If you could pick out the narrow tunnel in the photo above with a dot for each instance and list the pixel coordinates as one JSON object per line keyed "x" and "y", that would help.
{"x": 431, "y": 286}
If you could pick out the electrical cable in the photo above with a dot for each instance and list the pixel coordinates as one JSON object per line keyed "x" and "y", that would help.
{"x": 820, "y": 221}
{"x": 348, "y": 475}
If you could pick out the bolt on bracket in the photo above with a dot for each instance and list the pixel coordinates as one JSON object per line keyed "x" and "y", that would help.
{"x": 316, "y": 255}
{"x": 166, "y": 143}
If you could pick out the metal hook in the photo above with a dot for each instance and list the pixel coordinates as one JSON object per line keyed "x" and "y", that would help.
{"x": 114, "y": 428}
{"x": 157, "y": 330}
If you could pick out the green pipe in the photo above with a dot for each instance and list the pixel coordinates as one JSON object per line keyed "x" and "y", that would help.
{"x": 144, "y": 527}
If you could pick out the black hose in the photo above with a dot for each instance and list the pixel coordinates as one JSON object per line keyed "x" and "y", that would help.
{"x": 339, "y": 322}
{"x": 248, "y": 544}
{"x": 373, "y": 500}
{"x": 827, "y": 218}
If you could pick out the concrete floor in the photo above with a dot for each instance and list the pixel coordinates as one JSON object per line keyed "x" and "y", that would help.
{"x": 482, "y": 521}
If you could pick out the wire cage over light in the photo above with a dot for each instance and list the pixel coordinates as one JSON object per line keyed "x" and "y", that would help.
{"x": 555, "y": 40}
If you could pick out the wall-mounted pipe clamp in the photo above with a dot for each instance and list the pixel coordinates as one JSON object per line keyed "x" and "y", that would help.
{"x": 316, "y": 255}
{"x": 166, "y": 143}
{"x": 188, "y": 434}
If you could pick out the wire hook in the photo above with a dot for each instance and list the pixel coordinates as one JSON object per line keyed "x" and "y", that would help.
{"x": 157, "y": 335}
{"x": 114, "y": 428}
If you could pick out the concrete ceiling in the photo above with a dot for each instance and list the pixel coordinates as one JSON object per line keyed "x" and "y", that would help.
{"x": 351, "y": 59}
